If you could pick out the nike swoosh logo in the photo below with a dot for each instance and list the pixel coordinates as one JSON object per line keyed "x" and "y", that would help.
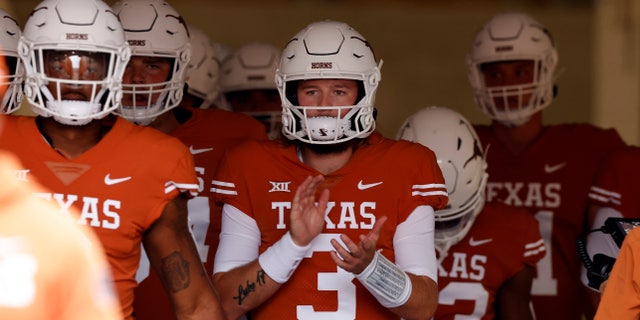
{"x": 363, "y": 186}
{"x": 475, "y": 243}
{"x": 196, "y": 151}
{"x": 109, "y": 181}
{"x": 551, "y": 169}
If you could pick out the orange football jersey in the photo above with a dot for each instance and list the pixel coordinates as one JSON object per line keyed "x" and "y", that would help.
{"x": 616, "y": 183}
{"x": 50, "y": 267}
{"x": 500, "y": 243}
{"x": 120, "y": 186}
{"x": 383, "y": 178}
{"x": 208, "y": 133}
{"x": 552, "y": 178}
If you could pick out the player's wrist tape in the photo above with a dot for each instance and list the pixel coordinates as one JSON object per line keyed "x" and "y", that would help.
{"x": 386, "y": 282}
{"x": 282, "y": 258}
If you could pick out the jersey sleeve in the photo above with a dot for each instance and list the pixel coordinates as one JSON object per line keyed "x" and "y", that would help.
{"x": 228, "y": 184}
{"x": 534, "y": 248}
{"x": 182, "y": 178}
{"x": 604, "y": 190}
{"x": 428, "y": 187}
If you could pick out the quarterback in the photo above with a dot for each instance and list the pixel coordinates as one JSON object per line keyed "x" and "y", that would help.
{"x": 365, "y": 251}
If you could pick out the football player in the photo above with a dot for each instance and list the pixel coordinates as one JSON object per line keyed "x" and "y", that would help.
{"x": 38, "y": 282}
{"x": 486, "y": 253}
{"x": 248, "y": 83}
{"x": 158, "y": 43}
{"x": 545, "y": 168}
{"x": 365, "y": 251}
{"x": 130, "y": 183}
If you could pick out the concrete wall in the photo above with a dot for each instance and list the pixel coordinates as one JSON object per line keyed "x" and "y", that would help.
{"x": 617, "y": 67}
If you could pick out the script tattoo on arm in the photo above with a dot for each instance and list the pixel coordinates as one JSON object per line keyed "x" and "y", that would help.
{"x": 243, "y": 292}
{"x": 175, "y": 272}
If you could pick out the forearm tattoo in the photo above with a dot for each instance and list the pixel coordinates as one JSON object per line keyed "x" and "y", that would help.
{"x": 175, "y": 272}
{"x": 243, "y": 292}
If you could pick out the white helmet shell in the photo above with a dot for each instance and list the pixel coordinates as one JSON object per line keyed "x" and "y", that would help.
{"x": 463, "y": 165}
{"x": 328, "y": 50}
{"x": 9, "y": 37}
{"x": 251, "y": 66}
{"x": 154, "y": 29}
{"x": 203, "y": 77}
{"x": 513, "y": 37}
{"x": 73, "y": 26}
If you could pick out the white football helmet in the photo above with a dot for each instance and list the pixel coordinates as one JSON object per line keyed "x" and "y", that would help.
{"x": 253, "y": 67}
{"x": 328, "y": 50}
{"x": 510, "y": 37}
{"x": 204, "y": 69}
{"x": 74, "y": 28}
{"x": 9, "y": 38}
{"x": 154, "y": 29}
{"x": 463, "y": 165}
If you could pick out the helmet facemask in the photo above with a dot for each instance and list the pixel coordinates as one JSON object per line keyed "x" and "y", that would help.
{"x": 13, "y": 71}
{"x": 73, "y": 87}
{"x": 144, "y": 102}
{"x": 74, "y": 54}
{"x": 513, "y": 105}
{"x": 13, "y": 83}
{"x": 350, "y": 122}
{"x": 452, "y": 225}
{"x": 157, "y": 34}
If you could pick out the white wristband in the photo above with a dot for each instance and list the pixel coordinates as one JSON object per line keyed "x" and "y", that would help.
{"x": 282, "y": 258}
{"x": 386, "y": 282}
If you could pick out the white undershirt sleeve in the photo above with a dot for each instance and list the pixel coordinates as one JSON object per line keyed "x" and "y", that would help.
{"x": 239, "y": 240}
{"x": 413, "y": 244}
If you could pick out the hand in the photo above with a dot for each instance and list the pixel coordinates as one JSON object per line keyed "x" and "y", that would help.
{"x": 307, "y": 219}
{"x": 356, "y": 257}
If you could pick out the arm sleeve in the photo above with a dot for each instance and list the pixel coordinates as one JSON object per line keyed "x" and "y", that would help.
{"x": 239, "y": 240}
{"x": 413, "y": 244}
